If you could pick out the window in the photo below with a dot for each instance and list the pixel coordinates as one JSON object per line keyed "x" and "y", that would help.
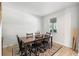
{"x": 52, "y": 27}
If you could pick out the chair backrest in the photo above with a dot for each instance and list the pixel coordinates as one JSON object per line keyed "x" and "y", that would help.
{"x": 18, "y": 39}
{"x": 37, "y": 33}
{"x": 48, "y": 33}
{"x": 28, "y": 35}
{"x": 19, "y": 42}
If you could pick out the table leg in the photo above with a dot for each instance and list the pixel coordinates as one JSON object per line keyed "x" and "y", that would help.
{"x": 51, "y": 42}
{"x": 26, "y": 50}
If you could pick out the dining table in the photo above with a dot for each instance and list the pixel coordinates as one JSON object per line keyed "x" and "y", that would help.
{"x": 28, "y": 40}
{"x": 33, "y": 39}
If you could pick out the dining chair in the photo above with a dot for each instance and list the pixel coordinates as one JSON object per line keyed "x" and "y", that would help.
{"x": 28, "y": 35}
{"x": 48, "y": 33}
{"x": 40, "y": 46}
{"x": 37, "y": 33}
{"x": 21, "y": 47}
{"x": 46, "y": 40}
{"x": 32, "y": 47}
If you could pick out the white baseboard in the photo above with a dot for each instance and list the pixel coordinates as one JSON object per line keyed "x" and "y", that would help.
{"x": 62, "y": 44}
{"x": 5, "y": 46}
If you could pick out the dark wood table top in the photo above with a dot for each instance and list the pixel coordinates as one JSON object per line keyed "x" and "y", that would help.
{"x": 31, "y": 39}
{"x": 26, "y": 40}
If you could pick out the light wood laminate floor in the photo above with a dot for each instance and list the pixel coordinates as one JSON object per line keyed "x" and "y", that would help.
{"x": 64, "y": 51}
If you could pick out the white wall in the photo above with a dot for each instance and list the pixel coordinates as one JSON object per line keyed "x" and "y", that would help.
{"x": 78, "y": 29}
{"x": 74, "y": 24}
{"x": 18, "y": 22}
{"x": 64, "y": 24}
{"x": 0, "y": 37}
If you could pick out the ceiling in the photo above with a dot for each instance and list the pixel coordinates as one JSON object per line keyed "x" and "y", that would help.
{"x": 39, "y": 8}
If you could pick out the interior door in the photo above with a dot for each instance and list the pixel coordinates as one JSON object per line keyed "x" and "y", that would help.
{"x": 75, "y": 40}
